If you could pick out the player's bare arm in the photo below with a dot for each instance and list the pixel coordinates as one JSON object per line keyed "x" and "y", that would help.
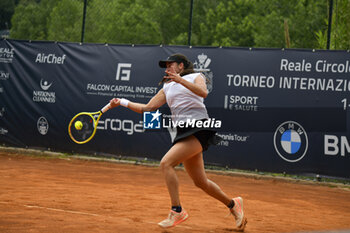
{"x": 199, "y": 86}
{"x": 157, "y": 101}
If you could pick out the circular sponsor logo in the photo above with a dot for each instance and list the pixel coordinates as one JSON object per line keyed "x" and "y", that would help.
{"x": 290, "y": 141}
{"x": 43, "y": 125}
{"x": 45, "y": 85}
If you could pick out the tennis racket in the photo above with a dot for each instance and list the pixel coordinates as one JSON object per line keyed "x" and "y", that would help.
{"x": 82, "y": 127}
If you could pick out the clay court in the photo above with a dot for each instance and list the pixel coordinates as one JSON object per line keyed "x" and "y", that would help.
{"x": 66, "y": 194}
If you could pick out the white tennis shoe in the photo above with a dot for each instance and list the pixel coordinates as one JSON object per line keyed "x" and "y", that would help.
{"x": 174, "y": 218}
{"x": 237, "y": 212}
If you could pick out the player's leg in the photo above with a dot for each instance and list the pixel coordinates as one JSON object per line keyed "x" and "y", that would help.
{"x": 178, "y": 153}
{"x": 195, "y": 168}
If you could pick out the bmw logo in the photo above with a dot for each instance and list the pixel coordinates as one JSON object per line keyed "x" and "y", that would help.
{"x": 290, "y": 141}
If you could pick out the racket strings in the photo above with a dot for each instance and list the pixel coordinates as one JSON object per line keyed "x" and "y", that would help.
{"x": 87, "y": 129}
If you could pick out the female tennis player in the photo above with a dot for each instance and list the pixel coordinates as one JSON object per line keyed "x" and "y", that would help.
{"x": 184, "y": 92}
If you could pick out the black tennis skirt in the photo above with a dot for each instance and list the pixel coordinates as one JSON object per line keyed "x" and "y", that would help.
{"x": 206, "y": 137}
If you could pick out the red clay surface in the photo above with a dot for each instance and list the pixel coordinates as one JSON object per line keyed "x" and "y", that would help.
{"x": 40, "y": 194}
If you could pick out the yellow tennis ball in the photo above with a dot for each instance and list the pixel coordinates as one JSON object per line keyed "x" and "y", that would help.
{"x": 78, "y": 125}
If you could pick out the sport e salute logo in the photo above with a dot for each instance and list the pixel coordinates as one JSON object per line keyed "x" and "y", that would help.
{"x": 290, "y": 141}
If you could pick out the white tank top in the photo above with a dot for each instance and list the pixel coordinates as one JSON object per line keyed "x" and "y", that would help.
{"x": 183, "y": 103}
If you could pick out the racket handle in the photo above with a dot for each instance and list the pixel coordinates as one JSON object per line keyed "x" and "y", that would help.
{"x": 106, "y": 108}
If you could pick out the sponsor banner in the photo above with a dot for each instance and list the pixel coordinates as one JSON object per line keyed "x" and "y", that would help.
{"x": 275, "y": 110}
{"x": 50, "y": 58}
{"x": 290, "y": 141}
{"x": 43, "y": 125}
{"x": 336, "y": 145}
{"x": 4, "y": 75}
{"x": 3, "y": 131}
{"x": 2, "y": 112}
{"x": 44, "y": 95}
{"x": 6, "y": 54}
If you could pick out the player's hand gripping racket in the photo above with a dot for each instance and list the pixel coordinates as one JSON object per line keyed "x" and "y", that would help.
{"x": 82, "y": 127}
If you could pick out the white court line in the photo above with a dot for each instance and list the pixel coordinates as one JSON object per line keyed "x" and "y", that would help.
{"x": 97, "y": 215}
{"x": 61, "y": 210}
{"x": 89, "y": 214}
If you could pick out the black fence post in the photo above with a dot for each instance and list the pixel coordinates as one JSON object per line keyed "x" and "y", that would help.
{"x": 330, "y": 15}
{"x": 83, "y": 27}
{"x": 190, "y": 24}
